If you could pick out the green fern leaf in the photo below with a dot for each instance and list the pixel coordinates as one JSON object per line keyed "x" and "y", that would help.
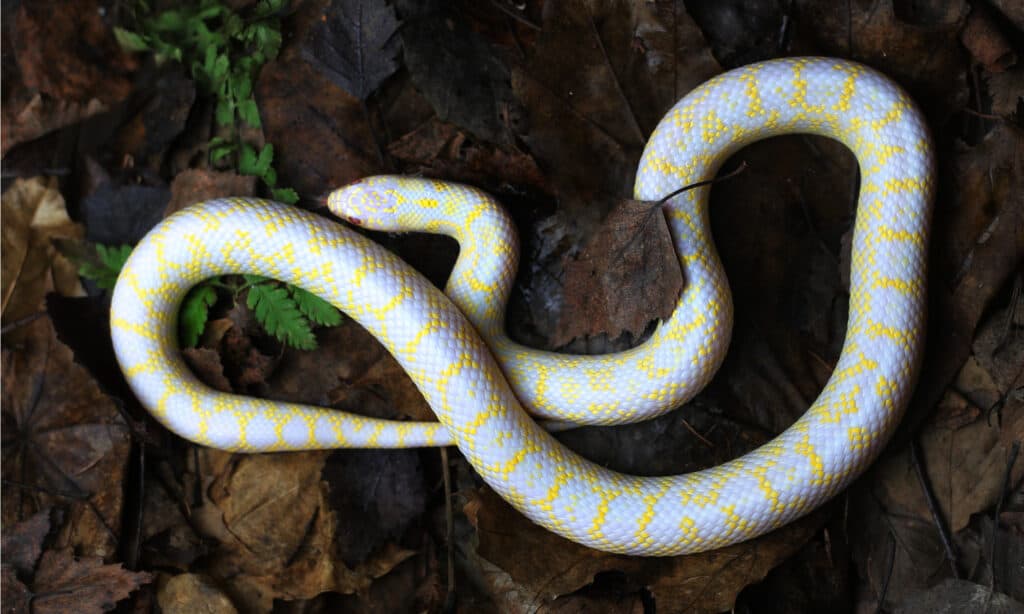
{"x": 106, "y": 266}
{"x": 195, "y": 310}
{"x": 278, "y": 313}
{"x": 315, "y": 308}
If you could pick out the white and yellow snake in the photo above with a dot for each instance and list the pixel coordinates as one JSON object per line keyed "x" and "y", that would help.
{"x": 478, "y": 381}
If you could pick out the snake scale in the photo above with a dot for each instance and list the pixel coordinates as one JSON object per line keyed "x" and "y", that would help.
{"x": 478, "y": 381}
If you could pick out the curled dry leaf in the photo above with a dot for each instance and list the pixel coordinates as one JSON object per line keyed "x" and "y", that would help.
{"x": 440, "y": 149}
{"x": 34, "y": 214}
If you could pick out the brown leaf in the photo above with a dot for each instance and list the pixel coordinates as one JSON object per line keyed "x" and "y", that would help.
{"x": 34, "y": 214}
{"x": 196, "y": 185}
{"x": 625, "y": 277}
{"x": 984, "y": 39}
{"x": 31, "y": 115}
{"x": 277, "y": 532}
{"x": 13, "y": 593}
{"x": 542, "y": 566}
{"x": 187, "y": 593}
{"x": 953, "y": 596}
{"x": 66, "y": 583}
{"x": 439, "y": 149}
{"x": 23, "y": 543}
{"x": 65, "y": 50}
{"x": 64, "y": 442}
{"x": 349, "y": 370}
{"x": 205, "y": 363}
{"x": 320, "y": 133}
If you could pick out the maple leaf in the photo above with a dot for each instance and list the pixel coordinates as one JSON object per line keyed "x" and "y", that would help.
{"x": 65, "y": 583}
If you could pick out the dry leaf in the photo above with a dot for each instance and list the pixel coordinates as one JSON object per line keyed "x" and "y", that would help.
{"x": 627, "y": 276}
{"x": 187, "y": 593}
{"x": 66, "y": 583}
{"x": 196, "y": 185}
{"x": 320, "y": 133}
{"x": 34, "y": 214}
{"x": 355, "y": 45}
{"x": 277, "y": 532}
{"x": 64, "y": 442}
{"x": 23, "y": 543}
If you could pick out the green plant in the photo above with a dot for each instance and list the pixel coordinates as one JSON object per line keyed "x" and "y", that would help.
{"x": 224, "y": 50}
{"x": 105, "y": 267}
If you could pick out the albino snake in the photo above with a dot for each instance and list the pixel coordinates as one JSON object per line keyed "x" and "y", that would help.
{"x": 469, "y": 382}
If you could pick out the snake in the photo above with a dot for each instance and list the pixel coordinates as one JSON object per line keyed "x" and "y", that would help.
{"x": 498, "y": 400}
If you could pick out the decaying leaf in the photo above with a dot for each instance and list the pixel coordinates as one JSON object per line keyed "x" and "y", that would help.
{"x": 23, "y": 543}
{"x": 321, "y": 133}
{"x": 66, "y": 583}
{"x": 457, "y": 71}
{"x": 629, "y": 263}
{"x": 277, "y": 531}
{"x": 64, "y": 442}
{"x": 355, "y": 45}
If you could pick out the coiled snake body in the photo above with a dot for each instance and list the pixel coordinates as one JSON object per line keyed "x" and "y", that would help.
{"x": 477, "y": 380}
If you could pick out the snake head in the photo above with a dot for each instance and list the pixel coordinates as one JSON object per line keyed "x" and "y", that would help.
{"x": 370, "y": 202}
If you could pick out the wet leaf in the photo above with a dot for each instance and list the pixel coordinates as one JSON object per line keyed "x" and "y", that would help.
{"x": 355, "y": 45}
{"x": 457, "y": 71}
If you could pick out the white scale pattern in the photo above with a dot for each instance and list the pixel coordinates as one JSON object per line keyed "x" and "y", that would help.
{"x": 455, "y": 369}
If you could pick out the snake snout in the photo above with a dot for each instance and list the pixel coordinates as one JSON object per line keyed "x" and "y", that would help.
{"x": 364, "y": 202}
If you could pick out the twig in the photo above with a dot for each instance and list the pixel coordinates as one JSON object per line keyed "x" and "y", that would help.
{"x": 933, "y": 508}
{"x": 514, "y": 15}
{"x": 704, "y": 439}
{"x": 449, "y": 527}
{"x": 888, "y": 575}
{"x": 660, "y": 203}
{"x": 22, "y": 322}
{"x": 739, "y": 169}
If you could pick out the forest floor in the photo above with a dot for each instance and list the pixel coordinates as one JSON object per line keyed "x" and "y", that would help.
{"x": 117, "y": 113}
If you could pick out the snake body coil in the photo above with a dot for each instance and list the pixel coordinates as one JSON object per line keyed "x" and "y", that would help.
{"x": 480, "y": 406}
